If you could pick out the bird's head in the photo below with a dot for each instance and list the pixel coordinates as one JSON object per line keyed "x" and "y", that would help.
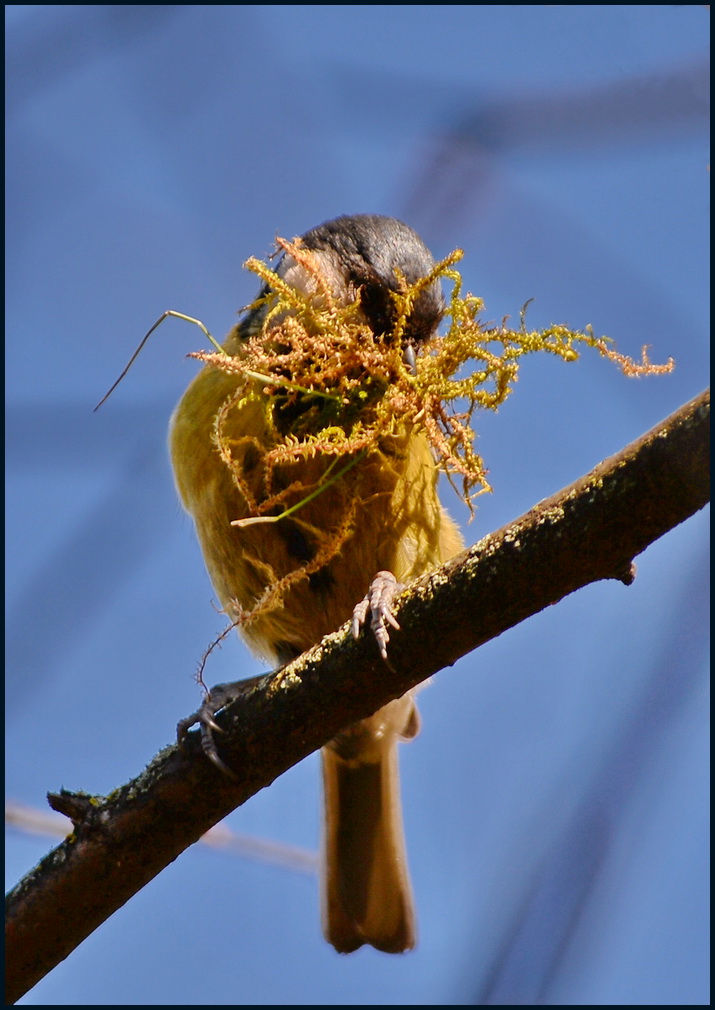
{"x": 369, "y": 257}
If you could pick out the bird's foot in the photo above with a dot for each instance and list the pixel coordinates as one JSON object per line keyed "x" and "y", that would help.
{"x": 217, "y": 698}
{"x": 378, "y": 603}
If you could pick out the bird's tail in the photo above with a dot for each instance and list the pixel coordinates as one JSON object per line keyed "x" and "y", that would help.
{"x": 366, "y": 891}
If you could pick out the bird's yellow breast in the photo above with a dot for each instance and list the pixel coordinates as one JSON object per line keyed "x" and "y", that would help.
{"x": 383, "y": 514}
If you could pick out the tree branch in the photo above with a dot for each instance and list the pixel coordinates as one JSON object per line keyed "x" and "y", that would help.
{"x": 589, "y": 531}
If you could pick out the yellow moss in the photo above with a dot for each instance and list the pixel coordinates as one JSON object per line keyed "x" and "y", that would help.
{"x": 332, "y": 390}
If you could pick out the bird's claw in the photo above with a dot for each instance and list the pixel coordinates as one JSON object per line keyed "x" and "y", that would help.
{"x": 378, "y": 603}
{"x": 218, "y": 697}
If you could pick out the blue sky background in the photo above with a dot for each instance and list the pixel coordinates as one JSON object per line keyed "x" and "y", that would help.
{"x": 555, "y": 801}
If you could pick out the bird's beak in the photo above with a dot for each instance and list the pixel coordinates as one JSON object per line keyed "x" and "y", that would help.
{"x": 408, "y": 356}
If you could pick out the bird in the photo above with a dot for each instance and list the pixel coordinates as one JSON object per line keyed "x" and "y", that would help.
{"x": 397, "y": 530}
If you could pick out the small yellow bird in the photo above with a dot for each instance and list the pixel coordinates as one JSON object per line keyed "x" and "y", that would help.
{"x": 394, "y": 530}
